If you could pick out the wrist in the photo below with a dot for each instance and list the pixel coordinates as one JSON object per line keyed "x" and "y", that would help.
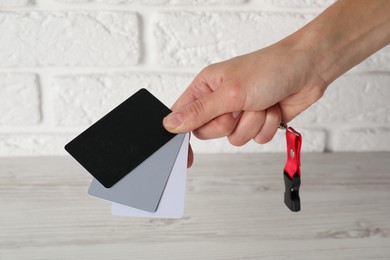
{"x": 344, "y": 35}
{"x": 316, "y": 56}
{"x": 319, "y": 53}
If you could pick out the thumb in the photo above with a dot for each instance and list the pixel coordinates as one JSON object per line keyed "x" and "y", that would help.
{"x": 196, "y": 113}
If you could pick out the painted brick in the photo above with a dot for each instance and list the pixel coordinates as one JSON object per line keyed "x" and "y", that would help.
{"x": 81, "y": 100}
{"x": 19, "y": 99}
{"x": 352, "y": 116}
{"x": 15, "y": 3}
{"x": 74, "y": 1}
{"x": 314, "y": 141}
{"x": 34, "y": 144}
{"x": 160, "y": 2}
{"x": 353, "y": 98}
{"x": 361, "y": 140}
{"x": 200, "y": 38}
{"x": 68, "y": 39}
{"x": 300, "y": 3}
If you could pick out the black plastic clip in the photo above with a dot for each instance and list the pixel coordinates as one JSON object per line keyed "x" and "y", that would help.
{"x": 291, "y": 194}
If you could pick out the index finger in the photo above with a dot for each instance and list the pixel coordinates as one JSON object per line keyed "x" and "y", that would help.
{"x": 196, "y": 90}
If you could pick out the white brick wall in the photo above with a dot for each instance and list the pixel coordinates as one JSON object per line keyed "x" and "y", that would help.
{"x": 15, "y": 3}
{"x": 20, "y": 99}
{"x": 65, "y": 63}
{"x": 82, "y": 99}
{"x": 158, "y": 2}
{"x": 188, "y": 39}
{"x": 82, "y": 38}
{"x": 352, "y": 99}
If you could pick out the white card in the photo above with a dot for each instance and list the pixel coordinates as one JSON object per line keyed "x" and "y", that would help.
{"x": 172, "y": 201}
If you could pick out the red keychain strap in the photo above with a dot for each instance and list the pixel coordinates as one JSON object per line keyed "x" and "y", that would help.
{"x": 294, "y": 143}
{"x": 292, "y": 171}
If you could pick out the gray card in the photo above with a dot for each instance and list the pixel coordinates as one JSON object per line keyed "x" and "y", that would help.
{"x": 143, "y": 187}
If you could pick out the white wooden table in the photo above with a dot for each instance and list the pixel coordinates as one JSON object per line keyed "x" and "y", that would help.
{"x": 234, "y": 210}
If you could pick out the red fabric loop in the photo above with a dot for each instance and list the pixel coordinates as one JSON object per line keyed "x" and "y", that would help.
{"x": 294, "y": 143}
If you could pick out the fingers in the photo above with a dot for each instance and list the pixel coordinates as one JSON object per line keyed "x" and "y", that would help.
{"x": 203, "y": 84}
{"x": 261, "y": 126}
{"x": 221, "y": 126}
{"x": 190, "y": 159}
{"x": 201, "y": 111}
{"x": 247, "y": 128}
{"x": 271, "y": 125}
{"x": 258, "y": 125}
{"x": 196, "y": 90}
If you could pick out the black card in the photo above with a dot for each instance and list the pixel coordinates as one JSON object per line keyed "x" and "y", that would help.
{"x": 122, "y": 139}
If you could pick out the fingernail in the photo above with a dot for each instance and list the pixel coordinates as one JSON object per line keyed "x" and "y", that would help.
{"x": 235, "y": 114}
{"x": 172, "y": 121}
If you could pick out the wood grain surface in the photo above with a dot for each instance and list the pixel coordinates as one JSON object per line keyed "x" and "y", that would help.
{"x": 234, "y": 210}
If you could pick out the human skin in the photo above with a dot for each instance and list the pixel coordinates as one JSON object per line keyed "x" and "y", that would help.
{"x": 247, "y": 97}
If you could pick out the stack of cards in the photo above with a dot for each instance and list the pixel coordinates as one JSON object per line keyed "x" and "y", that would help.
{"x": 136, "y": 164}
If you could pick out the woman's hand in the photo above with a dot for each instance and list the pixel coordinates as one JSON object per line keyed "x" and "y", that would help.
{"x": 248, "y": 96}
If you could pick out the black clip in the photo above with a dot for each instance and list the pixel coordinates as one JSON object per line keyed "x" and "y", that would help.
{"x": 291, "y": 194}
